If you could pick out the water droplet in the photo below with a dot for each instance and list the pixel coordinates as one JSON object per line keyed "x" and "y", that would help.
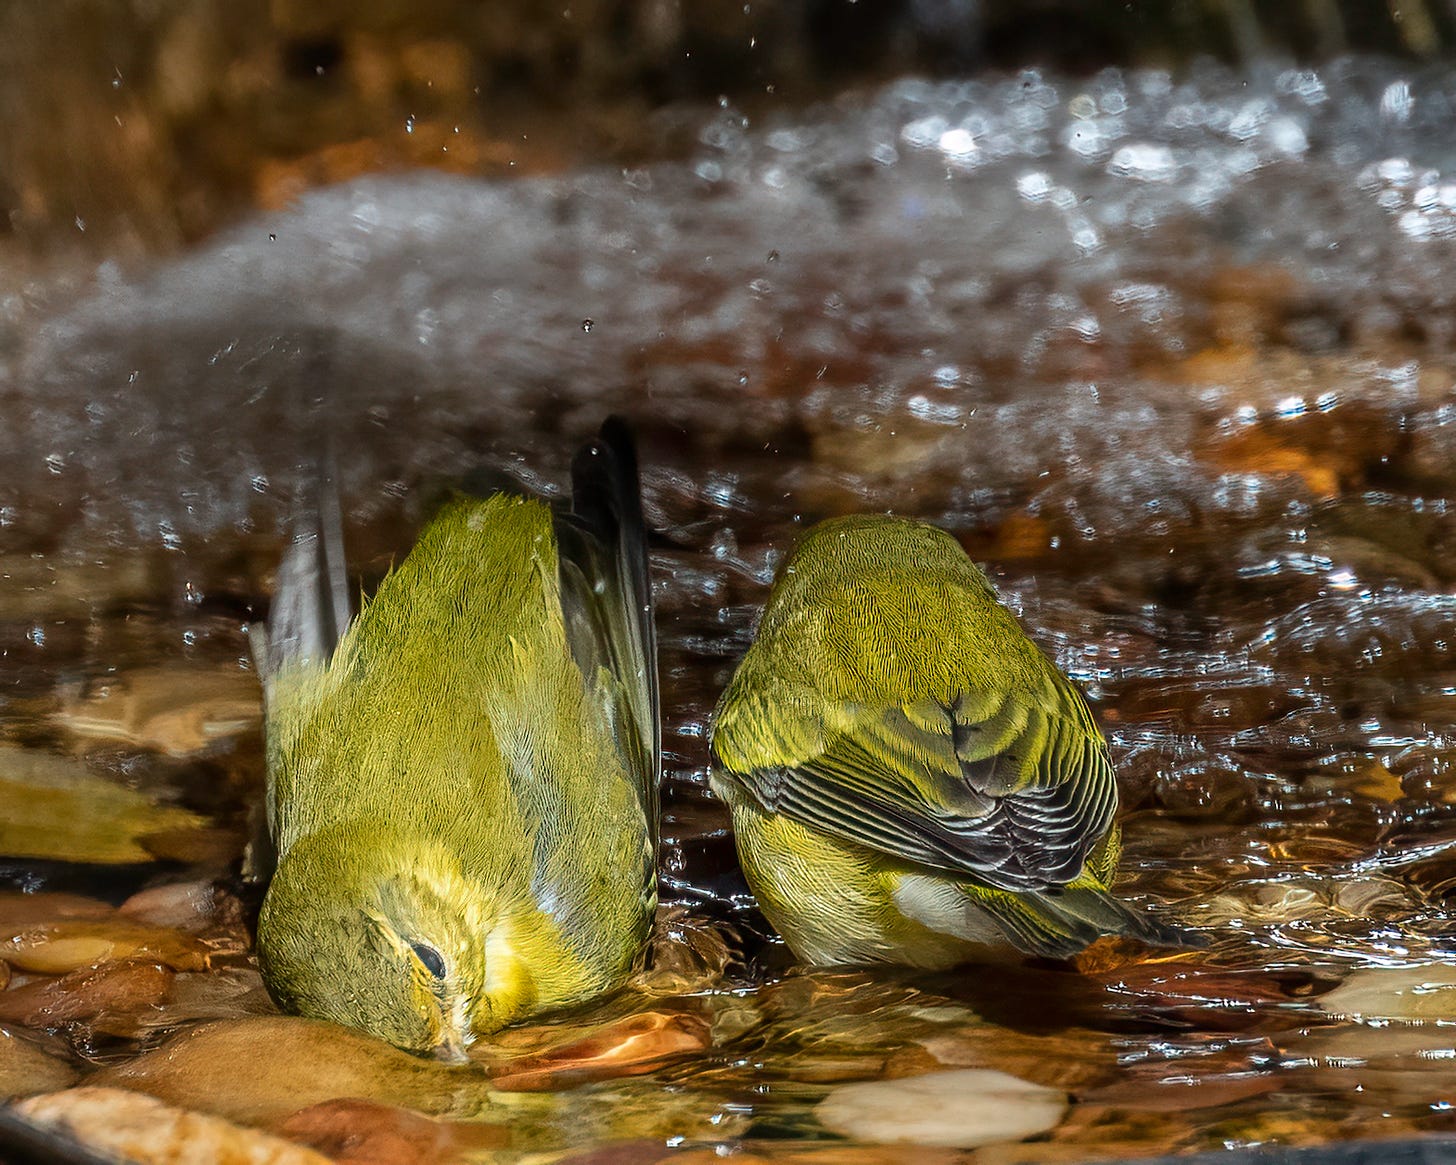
{"x": 588, "y": 324}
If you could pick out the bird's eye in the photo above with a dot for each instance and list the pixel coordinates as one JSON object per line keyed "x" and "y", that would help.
{"x": 433, "y": 960}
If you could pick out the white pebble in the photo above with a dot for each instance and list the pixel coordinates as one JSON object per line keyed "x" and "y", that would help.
{"x": 1420, "y": 994}
{"x": 957, "y": 1110}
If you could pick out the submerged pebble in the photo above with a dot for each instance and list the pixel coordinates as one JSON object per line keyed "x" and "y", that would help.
{"x": 176, "y": 711}
{"x": 55, "y": 808}
{"x": 362, "y": 1132}
{"x": 961, "y": 1109}
{"x": 148, "y": 1132}
{"x": 113, "y": 991}
{"x": 57, "y": 948}
{"x": 631, "y": 1046}
{"x": 1421, "y": 994}
{"x": 187, "y": 906}
{"x": 291, "y": 1064}
{"x": 26, "y": 1068}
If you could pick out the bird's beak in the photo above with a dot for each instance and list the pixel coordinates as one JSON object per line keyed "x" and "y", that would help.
{"x": 455, "y": 1033}
{"x": 451, "y": 1049}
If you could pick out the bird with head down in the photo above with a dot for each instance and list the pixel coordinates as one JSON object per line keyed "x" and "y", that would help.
{"x": 462, "y": 779}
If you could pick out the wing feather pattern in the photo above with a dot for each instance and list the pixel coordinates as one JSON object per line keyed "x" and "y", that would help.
{"x": 606, "y": 595}
{"x": 1016, "y": 799}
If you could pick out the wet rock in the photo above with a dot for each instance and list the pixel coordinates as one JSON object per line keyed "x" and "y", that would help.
{"x": 178, "y": 711}
{"x": 56, "y": 809}
{"x": 26, "y": 1069}
{"x": 60, "y": 947}
{"x": 1376, "y": 1061}
{"x": 1093, "y": 1132}
{"x": 1196, "y": 1070}
{"x": 688, "y": 952}
{"x": 1273, "y": 901}
{"x": 360, "y": 1132}
{"x": 779, "y": 1153}
{"x": 1067, "y": 1060}
{"x": 37, "y": 587}
{"x": 185, "y": 906}
{"x": 1210, "y": 996}
{"x": 1182, "y": 1093}
{"x": 148, "y": 1132}
{"x": 111, "y": 992}
{"x": 642, "y": 1152}
{"x": 961, "y": 1109}
{"x": 228, "y": 993}
{"x": 631, "y": 1046}
{"x": 293, "y": 1063}
{"x": 1422, "y": 994}
{"x": 19, "y": 911}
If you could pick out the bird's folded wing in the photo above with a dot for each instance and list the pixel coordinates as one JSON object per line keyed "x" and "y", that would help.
{"x": 310, "y": 610}
{"x": 606, "y": 597}
{"x": 1010, "y": 790}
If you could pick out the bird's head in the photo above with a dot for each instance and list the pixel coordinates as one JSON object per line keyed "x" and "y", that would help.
{"x": 389, "y": 937}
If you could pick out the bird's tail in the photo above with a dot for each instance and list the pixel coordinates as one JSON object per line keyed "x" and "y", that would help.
{"x": 1057, "y": 924}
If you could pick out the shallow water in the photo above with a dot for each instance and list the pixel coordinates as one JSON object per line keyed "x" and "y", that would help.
{"x": 1171, "y": 356}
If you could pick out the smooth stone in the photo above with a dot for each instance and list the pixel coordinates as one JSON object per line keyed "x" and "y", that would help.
{"x": 26, "y": 1069}
{"x": 54, "y": 808}
{"x": 187, "y": 906}
{"x": 630, "y": 1046}
{"x": 19, "y": 910}
{"x": 1421, "y": 994}
{"x": 361, "y": 1132}
{"x": 260, "y": 1070}
{"x": 113, "y": 990}
{"x": 144, "y": 1130}
{"x": 61, "y": 947}
{"x": 175, "y": 710}
{"x": 957, "y": 1110}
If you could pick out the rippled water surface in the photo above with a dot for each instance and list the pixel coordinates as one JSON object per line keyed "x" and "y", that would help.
{"x": 1173, "y": 357}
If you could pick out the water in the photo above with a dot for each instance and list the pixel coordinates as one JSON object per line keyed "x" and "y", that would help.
{"x": 1171, "y": 356}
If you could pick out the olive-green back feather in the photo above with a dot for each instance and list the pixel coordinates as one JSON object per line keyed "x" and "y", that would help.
{"x": 890, "y": 700}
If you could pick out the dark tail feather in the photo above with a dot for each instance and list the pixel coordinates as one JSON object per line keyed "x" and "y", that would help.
{"x": 606, "y": 505}
{"x": 1061, "y": 924}
{"x": 310, "y": 610}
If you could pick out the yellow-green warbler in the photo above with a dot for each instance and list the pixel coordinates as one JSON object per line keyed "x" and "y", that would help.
{"x": 462, "y": 780}
{"x": 911, "y": 780}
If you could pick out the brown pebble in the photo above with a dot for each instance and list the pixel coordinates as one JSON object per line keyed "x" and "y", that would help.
{"x": 58, "y": 948}
{"x": 144, "y": 1130}
{"x": 628, "y": 1047}
{"x": 187, "y": 906}
{"x": 20, "y": 911}
{"x": 362, "y": 1132}
{"x": 126, "y": 987}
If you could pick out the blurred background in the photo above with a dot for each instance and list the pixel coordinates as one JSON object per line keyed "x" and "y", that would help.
{"x": 139, "y": 126}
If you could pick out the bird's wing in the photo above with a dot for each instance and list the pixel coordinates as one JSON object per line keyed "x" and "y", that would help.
{"x": 606, "y": 596}
{"x": 308, "y": 615}
{"x": 1008, "y": 789}
{"x": 310, "y": 609}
